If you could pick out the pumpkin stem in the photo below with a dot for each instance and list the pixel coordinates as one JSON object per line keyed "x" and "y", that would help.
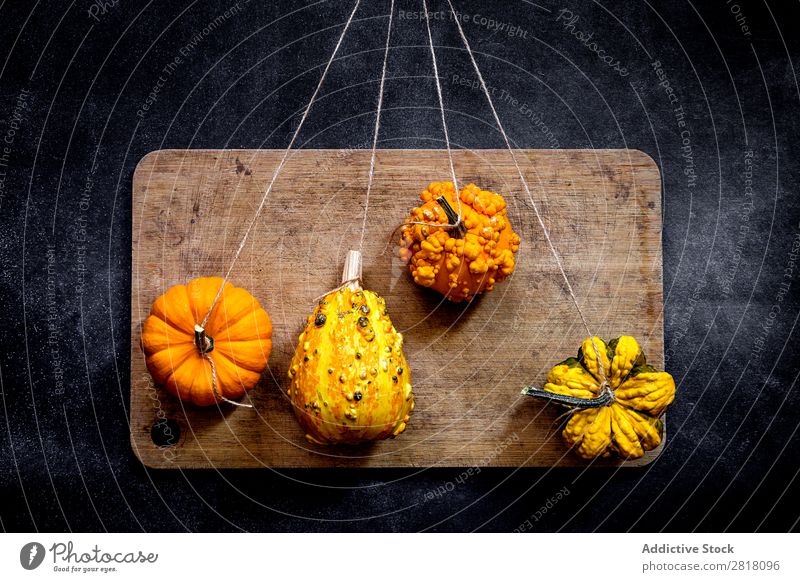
{"x": 351, "y": 274}
{"x": 452, "y": 216}
{"x": 605, "y": 397}
{"x": 204, "y": 343}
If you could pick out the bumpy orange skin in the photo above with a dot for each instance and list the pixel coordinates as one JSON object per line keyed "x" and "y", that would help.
{"x": 459, "y": 268}
{"x": 239, "y": 326}
{"x": 349, "y": 380}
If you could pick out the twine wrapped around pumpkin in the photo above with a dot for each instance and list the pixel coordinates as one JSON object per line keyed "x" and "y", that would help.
{"x": 205, "y": 344}
{"x": 212, "y": 363}
{"x": 351, "y": 274}
{"x": 463, "y": 262}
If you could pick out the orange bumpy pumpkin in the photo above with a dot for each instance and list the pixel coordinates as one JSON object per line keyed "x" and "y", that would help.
{"x": 206, "y": 365}
{"x": 459, "y": 267}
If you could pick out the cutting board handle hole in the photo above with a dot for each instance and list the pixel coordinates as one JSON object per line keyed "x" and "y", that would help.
{"x": 165, "y": 432}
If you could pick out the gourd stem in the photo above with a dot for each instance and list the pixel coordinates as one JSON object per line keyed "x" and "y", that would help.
{"x": 452, "y": 216}
{"x": 204, "y": 343}
{"x": 605, "y": 398}
{"x": 351, "y": 274}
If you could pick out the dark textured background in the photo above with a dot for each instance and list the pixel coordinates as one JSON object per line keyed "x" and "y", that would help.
{"x": 732, "y": 458}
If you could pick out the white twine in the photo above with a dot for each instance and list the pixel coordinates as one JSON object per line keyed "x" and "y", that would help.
{"x": 215, "y": 386}
{"x": 278, "y": 169}
{"x": 371, "y": 176}
{"x": 282, "y": 163}
{"x": 441, "y": 106}
{"x": 344, "y": 284}
{"x": 527, "y": 189}
{"x": 460, "y": 220}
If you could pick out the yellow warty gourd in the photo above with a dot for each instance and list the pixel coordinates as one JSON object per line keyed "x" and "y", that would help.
{"x": 349, "y": 379}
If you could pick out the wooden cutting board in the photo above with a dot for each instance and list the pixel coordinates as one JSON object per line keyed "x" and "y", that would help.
{"x": 468, "y": 362}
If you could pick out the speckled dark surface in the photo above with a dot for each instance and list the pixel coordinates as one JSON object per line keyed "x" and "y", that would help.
{"x": 70, "y": 89}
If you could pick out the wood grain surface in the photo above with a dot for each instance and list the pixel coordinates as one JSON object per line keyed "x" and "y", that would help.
{"x": 468, "y": 361}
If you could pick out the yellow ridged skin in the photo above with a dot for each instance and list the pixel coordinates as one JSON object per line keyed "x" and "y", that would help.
{"x": 349, "y": 379}
{"x": 588, "y": 431}
{"x": 590, "y": 358}
{"x": 650, "y": 392}
{"x": 242, "y": 333}
{"x": 629, "y": 425}
{"x": 459, "y": 268}
{"x": 648, "y": 429}
{"x": 626, "y": 354}
{"x": 625, "y": 436}
{"x": 572, "y": 380}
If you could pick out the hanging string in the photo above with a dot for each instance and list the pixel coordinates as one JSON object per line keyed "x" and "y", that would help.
{"x": 351, "y": 275}
{"x": 441, "y": 105}
{"x": 458, "y": 224}
{"x": 215, "y": 385}
{"x": 200, "y": 328}
{"x": 371, "y": 176}
{"x": 344, "y": 284}
{"x": 351, "y": 280}
{"x": 281, "y": 164}
{"x": 527, "y": 190}
{"x": 204, "y": 345}
{"x": 459, "y": 221}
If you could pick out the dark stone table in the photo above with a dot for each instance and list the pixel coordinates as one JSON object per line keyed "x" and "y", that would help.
{"x": 708, "y": 89}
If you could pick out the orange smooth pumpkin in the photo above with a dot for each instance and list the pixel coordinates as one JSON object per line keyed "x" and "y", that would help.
{"x": 205, "y": 365}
